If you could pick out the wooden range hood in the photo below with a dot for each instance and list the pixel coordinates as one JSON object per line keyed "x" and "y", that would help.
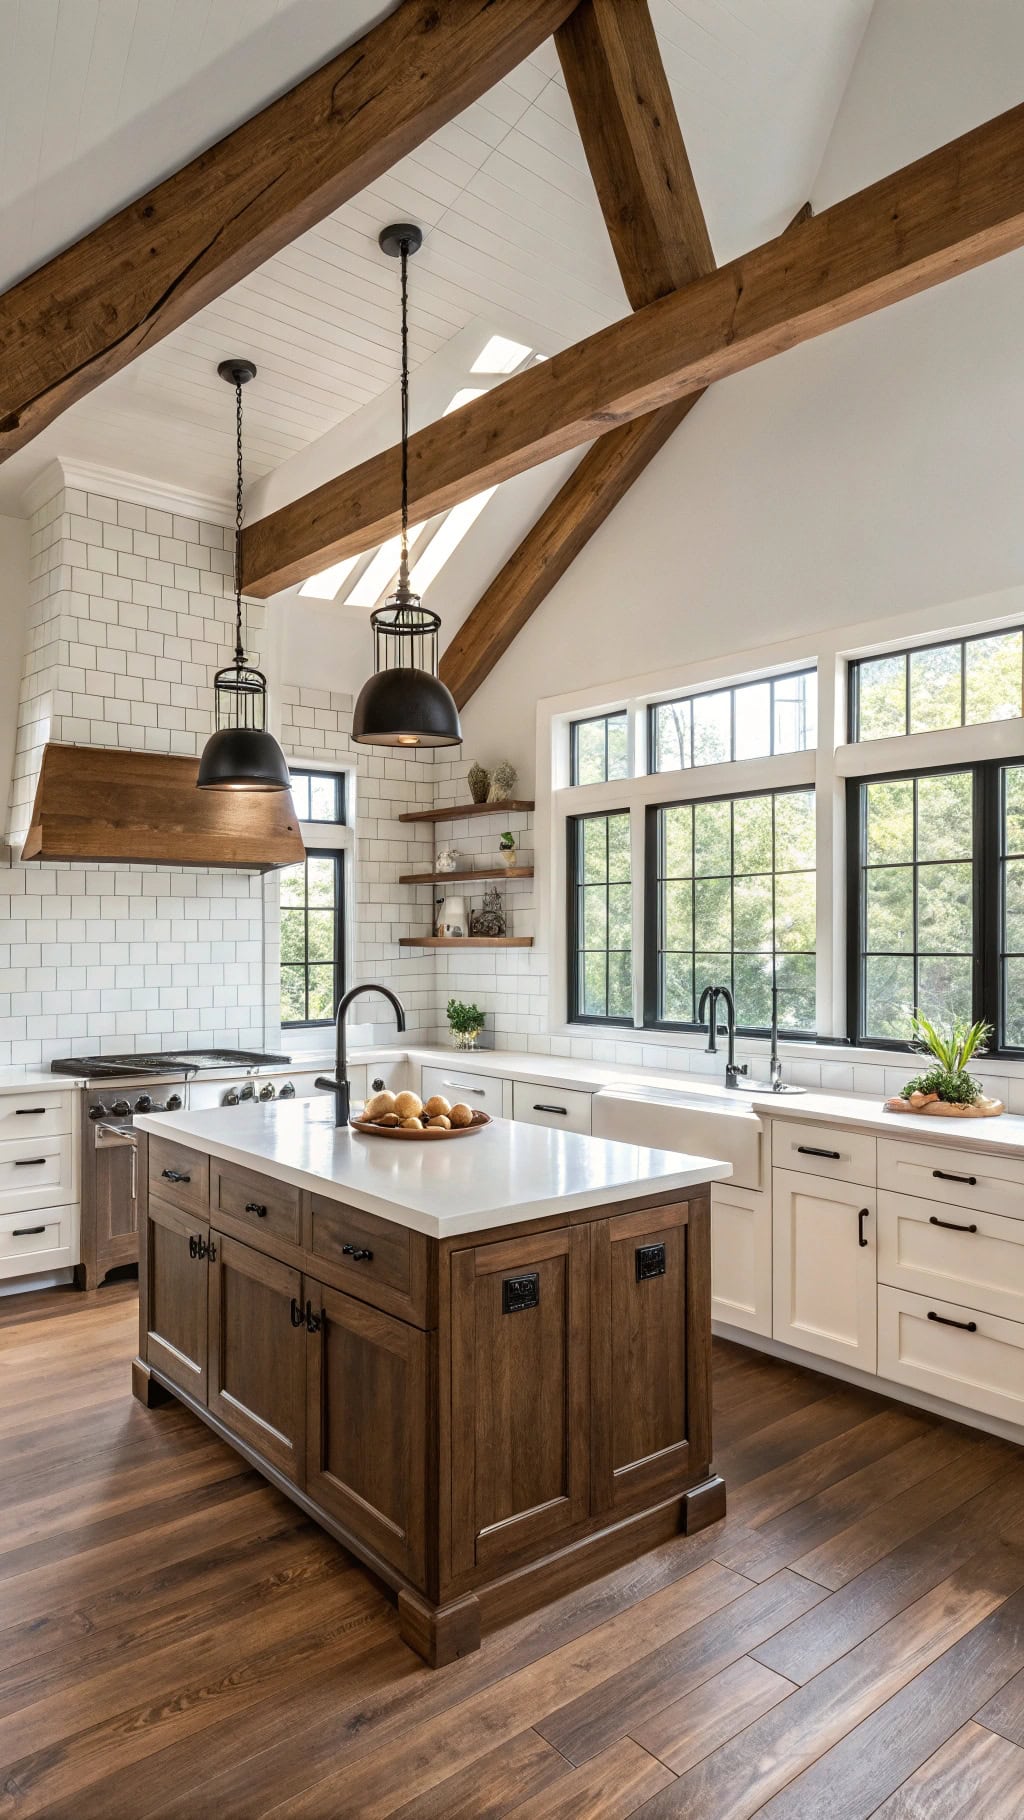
{"x": 102, "y": 803}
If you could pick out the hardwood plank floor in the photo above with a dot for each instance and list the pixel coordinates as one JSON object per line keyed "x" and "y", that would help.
{"x": 178, "y": 1642}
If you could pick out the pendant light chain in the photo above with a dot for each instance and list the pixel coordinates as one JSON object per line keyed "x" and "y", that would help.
{"x": 239, "y": 649}
{"x": 403, "y": 567}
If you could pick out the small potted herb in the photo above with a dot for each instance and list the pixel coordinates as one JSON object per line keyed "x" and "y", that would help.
{"x": 465, "y": 1023}
{"x": 507, "y": 848}
{"x": 946, "y": 1089}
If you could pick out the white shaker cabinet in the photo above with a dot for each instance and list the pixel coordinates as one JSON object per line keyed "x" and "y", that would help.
{"x": 741, "y": 1258}
{"x": 824, "y": 1284}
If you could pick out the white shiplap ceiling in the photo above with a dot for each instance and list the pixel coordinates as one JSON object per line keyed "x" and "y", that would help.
{"x": 101, "y": 98}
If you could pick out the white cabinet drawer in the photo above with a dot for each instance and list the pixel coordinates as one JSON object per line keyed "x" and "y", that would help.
{"x": 43, "y": 1241}
{"x": 741, "y": 1257}
{"x": 481, "y": 1091}
{"x": 35, "y": 1114}
{"x": 35, "y": 1172}
{"x": 976, "y": 1257}
{"x": 960, "y": 1178}
{"x": 824, "y": 1150}
{"x": 961, "y": 1354}
{"x": 563, "y": 1108}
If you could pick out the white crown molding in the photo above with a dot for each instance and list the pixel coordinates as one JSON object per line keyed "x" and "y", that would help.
{"x": 136, "y": 489}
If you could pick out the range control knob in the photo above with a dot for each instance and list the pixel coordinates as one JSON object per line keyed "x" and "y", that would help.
{"x": 98, "y": 1112}
{"x": 287, "y": 1091}
{"x": 269, "y": 1092}
{"x": 378, "y": 1083}
{"x": 121, "y": 1109}
{"x": 174, "y": 1102}
{"x": 231, "y": 1097}
{"x": 144, "y": 1103}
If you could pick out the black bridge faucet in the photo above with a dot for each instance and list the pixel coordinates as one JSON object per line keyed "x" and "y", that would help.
{"x": 339, "y": 1086}
{"x": 711, "y": 995}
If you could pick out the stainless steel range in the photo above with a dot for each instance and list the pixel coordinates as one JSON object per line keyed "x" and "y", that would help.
{"x": 114, "y": 1153}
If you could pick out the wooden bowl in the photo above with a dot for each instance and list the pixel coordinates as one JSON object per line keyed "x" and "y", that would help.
{"x": 366, "y": 1126}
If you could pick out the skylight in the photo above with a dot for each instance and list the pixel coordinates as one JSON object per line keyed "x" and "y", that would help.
{"x": 325, "y": 585}
{"x": 463, "y": 396}
{"x": 446, "y": 538}
{"x": 376, "y": 576}
{"x": 500, "y": 356}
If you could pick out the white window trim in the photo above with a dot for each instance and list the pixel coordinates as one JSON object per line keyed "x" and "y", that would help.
{"x": 337, "y": 837}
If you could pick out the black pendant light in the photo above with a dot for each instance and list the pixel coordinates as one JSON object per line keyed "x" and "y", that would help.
{"x": 405, "y": 703}
{"x": 241, "y": 754}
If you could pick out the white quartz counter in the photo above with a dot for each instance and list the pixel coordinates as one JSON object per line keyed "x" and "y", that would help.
{"x": 22, "y": 1080}
{"x": 504, "y": 1173}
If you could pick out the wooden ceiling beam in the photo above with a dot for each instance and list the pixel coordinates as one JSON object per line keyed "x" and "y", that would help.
{"x": 634, "y": 148}
{"x": 92, "y": 309}
{"x": 944, "y": 214}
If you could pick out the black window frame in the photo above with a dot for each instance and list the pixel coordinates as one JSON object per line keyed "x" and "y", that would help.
{"x": 652, "y": 909}
{"x": 855, "y": 665}
{"x": 337, "y": 857}
{"x": 731, "y": 690}
{"x": 589, "y": 720}
{"x": 339, "y": 780}
{"x": 573, "y": 887}
{"x": 987, "y": 993}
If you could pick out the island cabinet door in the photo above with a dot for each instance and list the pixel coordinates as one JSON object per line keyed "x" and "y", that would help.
{"x": 174, "y": 1291}
{"x": 520, "y": 1396}
{"x": 258, "y": 1352}
{"x": 367, "y": 1383}
{"x": 649, "y": 1307}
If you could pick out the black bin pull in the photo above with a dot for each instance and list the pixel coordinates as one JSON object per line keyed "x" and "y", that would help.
{"x": 950, "y": 1225}
{"x": 27, "y": 1232}
{"x": 29, "y": 1162}
{"x": 832, "y": 1156}
{"x": 947, "y": 1321}
{"x": 564, "y": 1110}
{"x": 948, "y": 1175}
{"x": 29, "y": 1112}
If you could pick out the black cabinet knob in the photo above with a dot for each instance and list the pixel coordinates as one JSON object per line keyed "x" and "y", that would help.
{"x": 257, "y": 1208}
{"x": 358, "y": 1253}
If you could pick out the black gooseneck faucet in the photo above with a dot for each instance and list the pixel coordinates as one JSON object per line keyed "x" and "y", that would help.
{"x": 711, "y": 995}
{"x": 339, "y": 1086}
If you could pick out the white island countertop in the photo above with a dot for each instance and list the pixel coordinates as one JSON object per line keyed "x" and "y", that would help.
{"x": 504, "y": 1173}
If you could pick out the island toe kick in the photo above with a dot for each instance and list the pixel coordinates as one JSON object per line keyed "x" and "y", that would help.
{"x": 484, "y": 1421}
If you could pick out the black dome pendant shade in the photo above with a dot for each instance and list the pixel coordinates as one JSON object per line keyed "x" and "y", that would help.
{"x": 241, "y": 754}
{"x": 405, "y": 703}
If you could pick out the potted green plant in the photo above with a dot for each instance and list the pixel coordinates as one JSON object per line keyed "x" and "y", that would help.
{"x": 945, "y": 1088}
{"x": 465, "y": 1023}
{"x": 507, "y": 848}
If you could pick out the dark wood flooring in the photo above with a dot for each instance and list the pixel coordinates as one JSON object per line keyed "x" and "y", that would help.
{"x": 176, "y": 1640}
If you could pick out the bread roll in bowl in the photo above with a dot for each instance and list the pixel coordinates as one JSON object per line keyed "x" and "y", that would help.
{"x": 412, "y": 1124}
{"x": 408, "y": 1105}
{"x": 439, "y": 1123}
{"x": 460, "y": 1115}
{"x": 378, "y": 1103}
{"x": 437, "y": 1107}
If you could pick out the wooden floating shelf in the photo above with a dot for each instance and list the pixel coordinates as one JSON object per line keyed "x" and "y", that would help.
{"x": 456, "y": 812}
{"x": 465, "y": 941}
{"x": 448, "y": 878}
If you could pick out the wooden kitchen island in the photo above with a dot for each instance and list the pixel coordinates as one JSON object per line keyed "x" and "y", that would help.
{"x": 483, "y": 1365}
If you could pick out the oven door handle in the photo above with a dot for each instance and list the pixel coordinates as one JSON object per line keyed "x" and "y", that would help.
{"x": 108, "y": 1136}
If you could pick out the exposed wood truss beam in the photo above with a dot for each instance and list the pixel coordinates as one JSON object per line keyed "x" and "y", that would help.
{"x": 944, "y": 214}
{"x": 627, "y": 122}
{"x": 121, "y": 288}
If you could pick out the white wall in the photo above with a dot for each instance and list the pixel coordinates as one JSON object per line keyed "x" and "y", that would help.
{"x": 14, "y": 541}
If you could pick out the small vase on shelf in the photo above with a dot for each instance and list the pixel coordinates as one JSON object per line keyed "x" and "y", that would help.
{"x": 479, "y": 781}
{"x": 507, "y": 848}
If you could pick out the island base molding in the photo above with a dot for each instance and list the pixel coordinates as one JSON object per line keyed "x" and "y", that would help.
{"x": 486, "y": 1422}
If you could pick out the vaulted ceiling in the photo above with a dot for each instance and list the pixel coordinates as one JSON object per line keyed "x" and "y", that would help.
{"x": 100, "y": 98}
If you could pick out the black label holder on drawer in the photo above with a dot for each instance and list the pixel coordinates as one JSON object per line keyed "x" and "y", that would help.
{"x": 519, "y": 1293}
{"x": 650, "y": 1262}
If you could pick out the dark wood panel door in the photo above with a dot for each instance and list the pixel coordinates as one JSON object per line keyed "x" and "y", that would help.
{"x": 368, "y": 1380}
{"x": 258, "y": 1352}
{"x": 174, "y": 1318}
{"x": 116, "y": 1201}
{"x": 640, "y": 1310}
{"x": 520, "y": 1395}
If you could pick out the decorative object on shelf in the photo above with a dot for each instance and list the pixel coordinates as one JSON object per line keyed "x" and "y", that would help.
{"x": 465, "y": 1023}
{"x": 946, "y": 1090}
{"x": 446, "y": 859}
{"x": 479, "y": 780}
{"x": 490, "y": 918}
{"x": 405, "y": 703}
{"x": 452, "y": 920}
{"x": 503, "y": 782}
{"x": 240, "y": 754}
{"x": 507, "y": 848}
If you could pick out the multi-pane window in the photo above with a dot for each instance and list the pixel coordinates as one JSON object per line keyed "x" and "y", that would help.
{"x": 731, "y": 901}
{"x": 916, "y": 926}
{"x": 599, "y": 749}
{"x": 319, "y": 796}
{"x": 600, "y": 919}
{"x": 750, "y": 720}
{"x": 311, "y": 939}
{"x": 1010, "y": 943}
{"x": 958, "y": 684}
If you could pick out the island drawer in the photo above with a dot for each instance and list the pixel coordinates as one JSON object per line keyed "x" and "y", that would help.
{"x": 484, "y": 1092}
{"x": 180, "y": 1176}
{"x": 376, "y": 1260}
{"x": 562, "y": 1108}
{"x": 825, "y": 1150}
{"x": 961, "y": 1354}
{"x": 271, "y": 1207}
{"x": 969, "y": 1179}
{"x": 973, "y": 1256}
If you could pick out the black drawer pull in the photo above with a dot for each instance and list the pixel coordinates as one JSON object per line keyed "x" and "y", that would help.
{"x": 946, "y": 1175}
{"x": 29, "y": 1162}
{"x": 564, "y": 1110}
{"x": 861, "y": 1217}
{"x": 256, "y": 1208}
{"x": 29, "y": 1112}
{"x": 27, "y": 1232}
{"x": 950, "y": 1225}
{"x": 834, "y": 1156}
{"x": 298, "y": 1314}
{"x": 358, "y": 1253}
{"x": 175, "y": 1175}
{"x": 968, "y": 1326}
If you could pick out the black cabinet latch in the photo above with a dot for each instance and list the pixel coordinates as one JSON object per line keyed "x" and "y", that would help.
{"x": 519, "y": 1293}
{"x": 650, "y": 1262}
